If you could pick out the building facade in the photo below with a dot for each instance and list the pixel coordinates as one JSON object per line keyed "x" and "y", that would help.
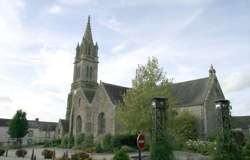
{"x": 91, "y": 107}
{"x": 38, "y": 131}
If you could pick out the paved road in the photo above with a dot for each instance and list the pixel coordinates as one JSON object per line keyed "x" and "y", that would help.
{"x": 59, "y": 153}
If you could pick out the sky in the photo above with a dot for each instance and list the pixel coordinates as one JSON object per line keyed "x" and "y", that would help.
{"x": 38, "y": 41}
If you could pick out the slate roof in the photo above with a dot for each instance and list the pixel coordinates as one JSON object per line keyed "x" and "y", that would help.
{"x": 188, "y": 93}
{"x": 191, "y": 93}
{"x": 115, "y": 92}
{"x": 241, "y": 122}
{"x": 89, "y": 94}
{"x": 65, "y": 124}
{"x": 32, "y": 124}
{"x": 4, "y": 122}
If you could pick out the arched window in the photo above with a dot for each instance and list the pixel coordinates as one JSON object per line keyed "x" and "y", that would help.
{"x": 89, "y": 50}
{"x": 101, "y": 123}
{"x": 78, "y": 125}
{"x": 90, "y": 73}
{"x": 87, "y": 73}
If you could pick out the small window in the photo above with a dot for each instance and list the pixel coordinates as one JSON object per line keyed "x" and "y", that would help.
{"x": 30, "y": 133}
{"x": 79, "y": 102}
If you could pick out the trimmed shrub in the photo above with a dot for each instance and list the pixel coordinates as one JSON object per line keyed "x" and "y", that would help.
{"x": 125, "y": 140}
{"x": 79, "y": 156}
{"x": 21, "y": 152}
{"x": 120, "y": 155}
{"x": 47, "y": 153}
{"x": 107, "y": 143}
{"x": 2, "y": 151}
{"x": 71, "y": 142}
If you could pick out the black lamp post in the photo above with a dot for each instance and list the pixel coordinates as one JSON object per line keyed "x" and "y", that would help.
{"x": 223, "y": 113}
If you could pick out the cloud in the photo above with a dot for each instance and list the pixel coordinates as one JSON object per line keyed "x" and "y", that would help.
{"x": 5, "y": 100}
{"x": 55, "y": 9}
{"x": 119, "y": 47}
{"x": 236, "y": 82}
{"x": 76, "y": 2}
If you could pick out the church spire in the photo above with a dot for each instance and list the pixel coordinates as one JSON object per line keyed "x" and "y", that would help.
{"x": 212, "y": 71}
{"x": 88, "y": 33}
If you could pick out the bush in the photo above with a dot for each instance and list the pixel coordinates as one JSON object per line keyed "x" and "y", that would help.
{"x": 184, "y": 126}
{"x": 99, "y": 148}
{"x": 120, "y": 155}
{"x": 227, "y": 149}
{"x": 65, "y": 141}
{"x": 203, "y": 147}
{"x": 2, "y": 151}
{"x": 79, "y": 156}
{"x": 71, "y": 142}
{"x": 107, "y": 143}
{"x": 246, "y": 150}
{"x": 90, "y": 149}
{"x": 80, "y": 139}
{"x": 125, "y": 140}
{"x": 48, "y": 153}
{"x": 21, "y": 152}
{"x": 88, "y": 142}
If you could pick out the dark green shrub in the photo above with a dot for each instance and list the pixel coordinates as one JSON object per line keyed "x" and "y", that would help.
{"x": 246, "y": 150}
{"x": 184, "y": 126}
{"x": 65, "y": 141}
{"x": 226, "y": 147}
{"x": 80, "y": 139}
{"x": 99, "y": 148}
{"x": 88, "y": 142}
{"x": 162, "y": 150}
{"x": 71, "y": 142}
{"x": 107, "y": 143}
{"x": 124, "y": 140}
{"x": 47, "y": 153}
{"x": 21, "y": 152}
{"x": 120, "y": 155}
{"x": 79, "y": 156}
{"x": 2, "y": 151}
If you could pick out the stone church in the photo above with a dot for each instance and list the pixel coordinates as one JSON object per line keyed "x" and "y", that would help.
{"x": 91, "y": 105}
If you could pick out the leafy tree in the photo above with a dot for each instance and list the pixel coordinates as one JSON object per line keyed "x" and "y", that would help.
{"x": 184, "y": 126}
{"x": 18, "y": 126}
{"x": 134, "y": 113}
{"x": 246, "y": 150}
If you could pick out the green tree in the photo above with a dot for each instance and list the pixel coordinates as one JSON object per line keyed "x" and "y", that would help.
{"x": 184, "y": 126}
{"x": 134, "y": 113}
{"x": 18, "y": 126}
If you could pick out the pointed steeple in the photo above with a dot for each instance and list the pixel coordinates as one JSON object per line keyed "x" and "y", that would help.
{"x": 88, "y": 33}
{"x": 212, "y": 71}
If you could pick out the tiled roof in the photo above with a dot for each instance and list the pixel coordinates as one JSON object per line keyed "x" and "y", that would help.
{"x": 32, "y": 124}
{"x": 241, "y": 122}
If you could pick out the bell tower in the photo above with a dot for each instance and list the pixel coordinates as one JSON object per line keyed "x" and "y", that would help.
{"x": 86, "y": 62}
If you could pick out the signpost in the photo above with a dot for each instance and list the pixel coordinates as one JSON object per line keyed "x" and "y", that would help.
{"x": 140, "y": 144}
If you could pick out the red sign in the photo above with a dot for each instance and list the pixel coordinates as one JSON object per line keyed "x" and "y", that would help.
{"x": 140, "y": 141}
